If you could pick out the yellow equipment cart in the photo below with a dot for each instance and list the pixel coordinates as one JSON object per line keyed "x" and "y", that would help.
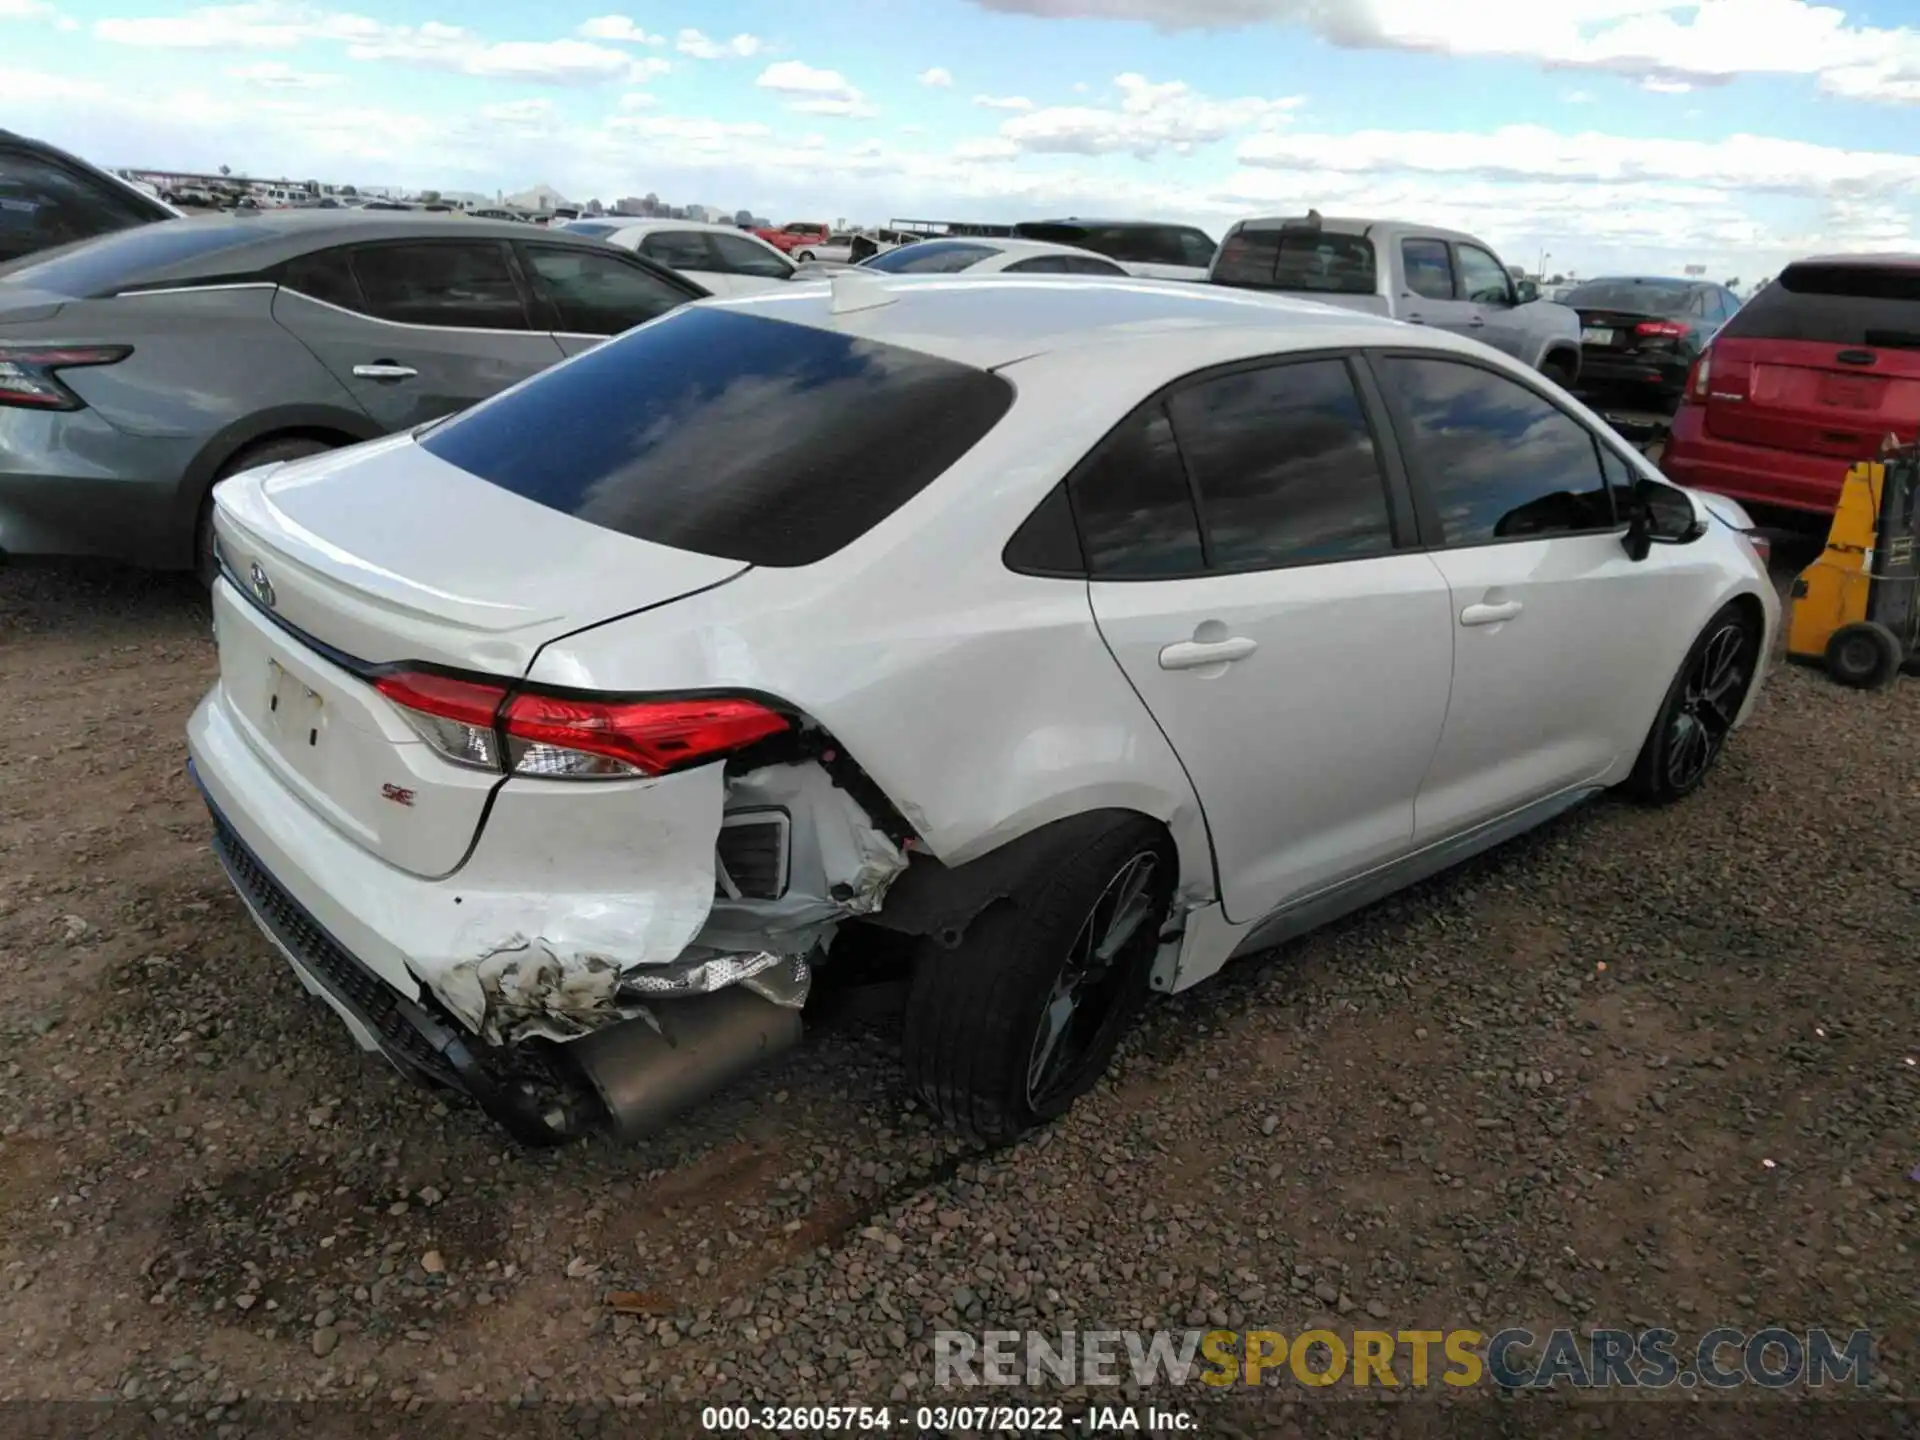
{"x": 1855, "y": 608}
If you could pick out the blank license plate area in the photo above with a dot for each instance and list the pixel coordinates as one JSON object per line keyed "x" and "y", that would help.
{"x": 1596, "y": 337}
{"x": 294, "y": 714}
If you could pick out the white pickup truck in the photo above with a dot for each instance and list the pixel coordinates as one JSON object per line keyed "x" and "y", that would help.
{"x": 1417, "y": 273}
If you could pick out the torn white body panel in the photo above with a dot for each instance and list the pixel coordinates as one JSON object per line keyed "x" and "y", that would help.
{"x": 837, "y": 865}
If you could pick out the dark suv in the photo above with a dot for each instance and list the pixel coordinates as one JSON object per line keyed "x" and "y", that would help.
{"x": 48, "y": 198}
{"x": 1148, "y": 248}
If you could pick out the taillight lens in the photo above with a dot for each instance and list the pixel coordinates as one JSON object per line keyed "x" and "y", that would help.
{"x": 29, "y": 378}
{"x": 1698, "y": 379}
{"x": 1762, "y": 546}
{"x": 556, "y": 737}
{"x": 1662, "y": 329}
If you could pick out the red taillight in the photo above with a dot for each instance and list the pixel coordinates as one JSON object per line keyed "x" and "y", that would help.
{"x": 1664, "y": 329}
{"x": 28, "y": 378}
{"x": 650, "y": 736}
{"x": 1762, "y": 546}
{"x": 1698, "y": 377}
{"x": 573, "y": 738}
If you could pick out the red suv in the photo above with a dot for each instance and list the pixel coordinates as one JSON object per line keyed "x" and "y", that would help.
{"x": 1806, "y": 379}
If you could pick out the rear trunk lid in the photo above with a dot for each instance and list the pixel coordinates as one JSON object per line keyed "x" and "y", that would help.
{"x": 383, "y": 553}
{"x": 1825, "y": 361}
{"x": 1618, "y": 332}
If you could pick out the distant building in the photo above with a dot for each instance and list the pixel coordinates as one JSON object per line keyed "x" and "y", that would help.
{"x": 540, "y": 199}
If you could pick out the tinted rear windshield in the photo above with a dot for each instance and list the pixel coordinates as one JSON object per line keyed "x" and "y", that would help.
{"x": 590, "y": 227}
{"x": 1309, "y": 261}
{"x": 1858, "y": 305}
{"x": 107, "y": 263}
{"x": 930, "y": 257}
{"x": 730, "y": 435}
{"x": 1637, "y": 297}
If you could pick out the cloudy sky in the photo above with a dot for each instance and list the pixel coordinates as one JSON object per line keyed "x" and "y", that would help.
{"x": 1613, "y": 134}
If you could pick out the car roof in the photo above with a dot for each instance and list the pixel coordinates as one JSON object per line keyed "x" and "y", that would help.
{"x": 263, "y": 238}
{"x": 1112, "y": 224}
{"x": 1640, "y": 280}
{"x": 1355, "y": 225}
{"x": 1892, "y": 259}
{"x": 14, "y": 140}
{"x": 1018, "y": 245}
{"x": 653, "y": 222}
{"x": 994, "y": 320}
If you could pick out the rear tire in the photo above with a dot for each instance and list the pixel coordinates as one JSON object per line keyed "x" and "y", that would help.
{"x": 1697, "y": 715}
{"x": 1006, "y": 1030}
{"x": 265, "y": 452}
{"x": 1560, "y": 371}
{"x": 1864, "y": 655}
{"x": 805, "y": 257}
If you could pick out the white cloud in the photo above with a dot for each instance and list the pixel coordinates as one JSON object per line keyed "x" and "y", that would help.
{"x": 1746, "y": 163}
{"x": 618, "y": 27}
{"x": 1149, "y": 118}
{"x": 1003, "y": 102}
{"x": 1657, "y": 86}
{"x": 701, "y": 47}
{"x": 643, "y": 70}
{"x": 938, "y": 75}
{"x": 806, "y": 90}
{"x": 1701, "y": 42}
{"x": 1577, "y": 97}
{"x": 638, "y": 100}
{"x": 273, "y": 25}
{"x": 277, "y": 75}
{"x": 25, "y": 10}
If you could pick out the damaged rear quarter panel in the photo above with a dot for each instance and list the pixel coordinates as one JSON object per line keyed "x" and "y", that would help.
{"x": 571, "y": 884}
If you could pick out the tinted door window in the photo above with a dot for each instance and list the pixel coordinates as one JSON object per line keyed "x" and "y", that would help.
{"x": 1485, "y": 282}
{"x": 1195, "y": 248}
{"x": 679, "y": 249}
{"x": 743, "y": 257}
{"x": 1133, "y": 506}
{"x": 1498, "y": 462}
{"x": 1284, "y": 465}
{"x": 325, "y": 276}
{"x": 1429, "y": 268}
{"x": 595, "y": 294}
{"x": 730, "y": 434}
{"x": 1835, "y": 303}
{"x": 930, "y": 257}
{"x": 1090, "y": 265}
{"x": 465, "y": 284}
{"x": 43, "y": 205}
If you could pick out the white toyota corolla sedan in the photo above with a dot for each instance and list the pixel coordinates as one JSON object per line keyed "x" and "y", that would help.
{"x": 1090, "y": 633}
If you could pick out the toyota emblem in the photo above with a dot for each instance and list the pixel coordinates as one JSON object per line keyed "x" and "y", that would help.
{"x": 262, "y": 587}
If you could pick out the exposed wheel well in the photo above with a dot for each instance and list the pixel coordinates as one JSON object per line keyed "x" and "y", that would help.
{"x": 320, "y": 433}
{"x": 1561, "y": 360}
{"x": 940, "y": 902}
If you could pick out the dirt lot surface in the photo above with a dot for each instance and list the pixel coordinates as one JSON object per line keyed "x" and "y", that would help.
{"x": 1642, "y": 1068}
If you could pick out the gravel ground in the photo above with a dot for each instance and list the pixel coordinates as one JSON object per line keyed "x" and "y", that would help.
{"x": 1643, "y": 1067}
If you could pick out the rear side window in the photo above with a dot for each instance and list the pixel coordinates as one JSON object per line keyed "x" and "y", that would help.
{"x": 599, "y": 294}
{"x": 1297, "y": 260}
{"x": 1041, "y": 265}
{"x": 457, "y": 283}
{"x": 43, "y": 205}
{"x": 1284, "y": 463}
{"x": 1498, "y": 461}
{"x": 1429, "y": 268}
{"x": 325, "y": 276}
{"x": 730, "y": 434}
{"x": 113, "y": 262}
{"x": 930, "y": 257}
{"x": 678, "y": 249}
{"x": 1134, "y": 508}
{"x": 1877, "y": 306}
{"x": 740, "y": 256}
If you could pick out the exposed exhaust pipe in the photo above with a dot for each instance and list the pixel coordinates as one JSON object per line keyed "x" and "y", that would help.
{"x": 645, "y": 1076}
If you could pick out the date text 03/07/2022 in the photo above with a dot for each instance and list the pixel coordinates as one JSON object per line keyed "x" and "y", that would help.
{"x": 947, "y": 1419}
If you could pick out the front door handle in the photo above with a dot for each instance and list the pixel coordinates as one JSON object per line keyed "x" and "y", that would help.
{"x": 1489, "y": 614}
{"x": 1196, "y": 654}
{"x": 1476, "y": 322}
{"x": 385, "y": 370}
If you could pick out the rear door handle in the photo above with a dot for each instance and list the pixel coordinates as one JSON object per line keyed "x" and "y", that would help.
{"x": 1195, "y": 654}
{"x": 385, "y": 370}
{"x": 1489, "y": 614}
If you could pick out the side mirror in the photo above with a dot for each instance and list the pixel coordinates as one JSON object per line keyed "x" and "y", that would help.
{"x": 1526, "y": 292}
{"x": 1659, "y": 515}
